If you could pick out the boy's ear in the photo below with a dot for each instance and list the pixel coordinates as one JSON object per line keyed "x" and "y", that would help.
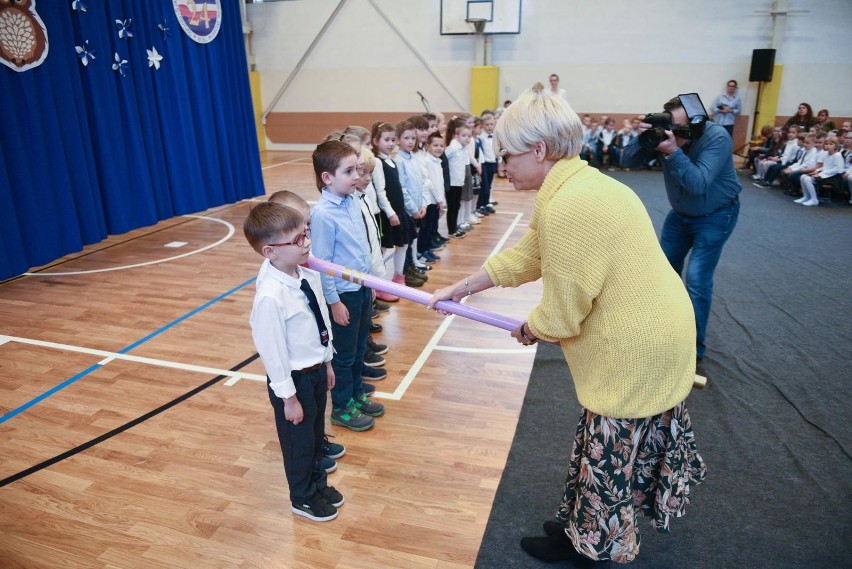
{"x": 327, "y": 178}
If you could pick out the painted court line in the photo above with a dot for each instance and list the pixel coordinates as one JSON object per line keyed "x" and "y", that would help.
{"x": 529, "y": 350}
{"x": 87, "y": 371}
{"x": 112, "y": 356}
{"x": 231, "y": 232}
{"x": 283, "y": 163}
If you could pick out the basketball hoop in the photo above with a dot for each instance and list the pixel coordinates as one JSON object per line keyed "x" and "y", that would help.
{"x": 478, "y": 24}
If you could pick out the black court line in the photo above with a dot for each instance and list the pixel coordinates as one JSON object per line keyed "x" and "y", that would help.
{"x": 124, "y": 427}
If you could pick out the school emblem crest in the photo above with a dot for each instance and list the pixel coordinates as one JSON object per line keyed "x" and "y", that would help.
{"x": 199, "y": 19}
{"x": 23, "y": 37}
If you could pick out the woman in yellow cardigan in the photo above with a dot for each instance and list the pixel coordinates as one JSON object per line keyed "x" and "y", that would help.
{"x": 625, "y": 324}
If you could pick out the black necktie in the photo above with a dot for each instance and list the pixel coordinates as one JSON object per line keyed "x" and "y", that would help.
{"x": 312, "y": 302}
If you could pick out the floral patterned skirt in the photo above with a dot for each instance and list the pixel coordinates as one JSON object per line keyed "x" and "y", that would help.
{"x": 620, "y": 468}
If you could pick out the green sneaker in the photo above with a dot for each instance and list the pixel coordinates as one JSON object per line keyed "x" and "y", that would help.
{"x": 369, "y": 407}
{"x": 351, "y": 417}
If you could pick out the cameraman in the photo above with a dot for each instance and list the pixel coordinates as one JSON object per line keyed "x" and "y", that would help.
{"x": 703, "y": 190}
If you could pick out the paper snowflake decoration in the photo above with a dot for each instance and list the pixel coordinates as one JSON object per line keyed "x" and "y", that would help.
{"x": 165, "y": 30}
{"x": 84, "y": 53}
{"x": 154, "y": 58}
{"x": 120, "y": 65}
{"x": 78, "y": 6}
{"x": 124, "y": 28}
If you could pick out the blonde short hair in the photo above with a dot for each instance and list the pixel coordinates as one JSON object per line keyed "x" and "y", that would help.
{"x": 368, "y": 157}
{"x": 538, "y": 117}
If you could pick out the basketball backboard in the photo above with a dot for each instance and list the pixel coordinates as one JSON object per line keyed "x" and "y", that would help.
{"x": 501, "y": 16}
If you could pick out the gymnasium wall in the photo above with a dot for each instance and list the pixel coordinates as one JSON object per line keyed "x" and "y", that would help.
{"x": 619, "y": 56}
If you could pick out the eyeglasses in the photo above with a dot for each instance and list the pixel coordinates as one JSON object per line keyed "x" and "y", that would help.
{"x": 299, "y": 241}
{"x": 504, "y": 154}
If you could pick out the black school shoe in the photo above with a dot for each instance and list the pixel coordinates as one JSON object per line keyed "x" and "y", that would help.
{"x": 315, "y": 508}
{"x": 331, "y": 495}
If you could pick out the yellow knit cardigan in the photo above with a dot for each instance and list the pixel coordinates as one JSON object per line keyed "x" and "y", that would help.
{"x": 611, "y": 300}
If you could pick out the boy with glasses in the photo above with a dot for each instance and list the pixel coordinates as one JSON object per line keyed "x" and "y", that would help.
{"x": 291, "y": 331}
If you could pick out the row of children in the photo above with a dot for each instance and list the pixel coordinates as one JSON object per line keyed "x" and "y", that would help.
{"x": 312, "y": 331}
{"x": 806, "y": 162}
{"x": 603, "y": 145}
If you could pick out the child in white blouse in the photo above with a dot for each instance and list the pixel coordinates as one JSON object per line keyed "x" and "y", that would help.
{"x": 832, "y": 166}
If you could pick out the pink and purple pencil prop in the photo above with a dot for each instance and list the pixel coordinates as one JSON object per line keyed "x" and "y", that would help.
{"x": 420, "y": 297}
{"x": 414, "y": 295}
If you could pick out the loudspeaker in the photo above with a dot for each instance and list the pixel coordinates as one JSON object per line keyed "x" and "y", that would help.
{"x": 762, "y": 64}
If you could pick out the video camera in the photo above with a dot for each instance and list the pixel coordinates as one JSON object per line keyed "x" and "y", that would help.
{"x": 661, "y": 122}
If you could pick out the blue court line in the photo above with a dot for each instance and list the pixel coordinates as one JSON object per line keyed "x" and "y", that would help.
{"x": 136, "y": 344}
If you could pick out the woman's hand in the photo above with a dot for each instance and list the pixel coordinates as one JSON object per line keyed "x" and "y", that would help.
{"x": 394, "y": 220}
{"x": 446, "y": 293}
{"x": 524, "y": 335}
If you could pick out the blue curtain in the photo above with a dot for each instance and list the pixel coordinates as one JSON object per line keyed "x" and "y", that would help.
{"x": 86, "y": 152}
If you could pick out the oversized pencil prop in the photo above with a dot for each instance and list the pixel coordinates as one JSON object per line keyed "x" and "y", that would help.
{"x": 412, "y": 294}
{"x": 421, "y": 297}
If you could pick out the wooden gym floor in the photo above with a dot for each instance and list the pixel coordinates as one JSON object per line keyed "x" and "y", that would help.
{"x": 104, "y": 461}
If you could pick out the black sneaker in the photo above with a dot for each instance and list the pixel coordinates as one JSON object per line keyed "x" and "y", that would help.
{"x": 369, "y": 407}
{"x": 441, "y": 239}
{"x": 459, "y": 234}
{"x": 368, "y": 389}
{"x": 373, "y": 374}
{"x": 331, "y": 495}
{"x": 371, "y": 359}
{"x": 315, "y": 508}
{"x": 332, "y": 450}
{"x": 378, "y": 349}
{"x": 381, "y": 306}
{"x": 375, "y": 327}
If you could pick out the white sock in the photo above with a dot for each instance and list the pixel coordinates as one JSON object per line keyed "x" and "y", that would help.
{"x": 399, "y": 259}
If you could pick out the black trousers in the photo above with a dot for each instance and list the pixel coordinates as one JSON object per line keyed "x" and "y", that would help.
{"x": 453, "y": 206}
{"x": 489, "y": 169}
{"x": 301, "y": 444}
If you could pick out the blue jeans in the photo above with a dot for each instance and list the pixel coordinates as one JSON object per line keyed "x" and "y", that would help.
{"x": 705, "y": 236}
{"x": 350, "y": 345}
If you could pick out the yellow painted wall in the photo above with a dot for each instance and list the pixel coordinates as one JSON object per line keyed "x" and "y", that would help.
{"x": 484, "y": 88}
{"x": 254, "y": 81}
{"x": 767, "y": 105}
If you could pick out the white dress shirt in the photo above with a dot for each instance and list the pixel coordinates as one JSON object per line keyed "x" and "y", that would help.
{"x": 436, "y": 176}
{"x": 458, "y": 157}
{"x": 487, "y": 154}
{"x": 284, "y": 328}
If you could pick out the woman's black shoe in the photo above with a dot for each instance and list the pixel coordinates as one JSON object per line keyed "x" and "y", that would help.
{"x": 552, "y": 549}
{"x": 552, "y": 528}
